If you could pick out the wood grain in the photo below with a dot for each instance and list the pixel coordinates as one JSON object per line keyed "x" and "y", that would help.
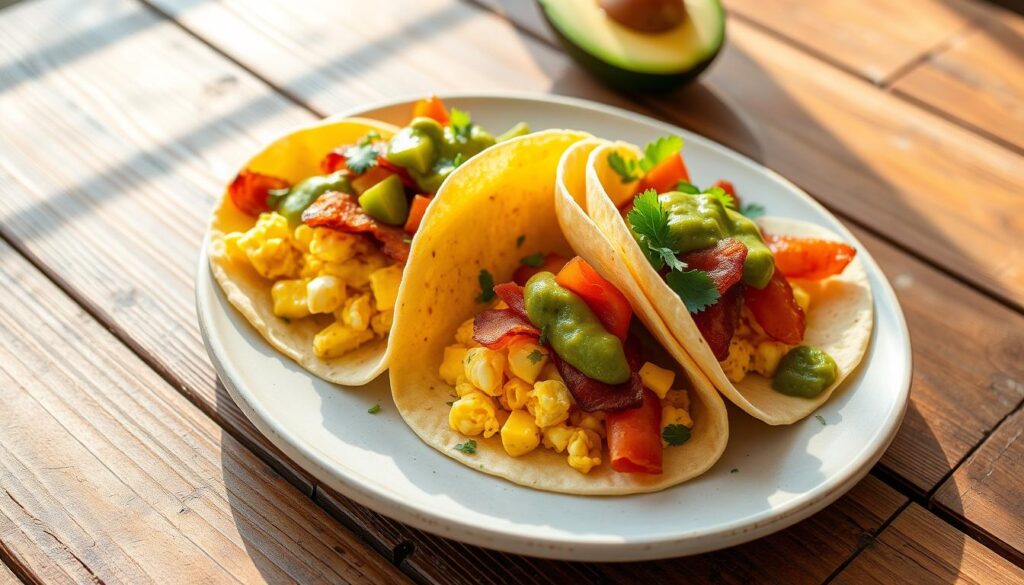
{"x": 109, "y": 475}
{"x": 871, "y": 38}
{"x": 805, "y": 553}
{"x": 7, "y": 577}
{"x": 977, "y": 80}
{"x": 919, "y": 548}
{"x": 985, "y": 493}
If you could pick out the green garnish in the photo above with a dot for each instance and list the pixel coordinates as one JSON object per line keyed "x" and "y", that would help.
{"x": 650, "y": 224}
{"x": 734, "y": 470}
{"x": 469, "y": 447}
{"x": 657, "y": 150}
{"x": 626, "y": 169}
{"x": 688, "y": 188}
{"x": 520, "y": 240}
{"x": 458, "y": 160}
{"x": 675, "y": 435}
{"x": 535, "y": 356}
{"x": 486, "y": 287}
{"x": 821, "y": 419}
{"x": 373, "y": 409}
{"x": 724, "y": 198}
{"x": 543, "y": 339}
{"x": 460, "y": 122}
{"x": 361, "y": 158}
{"x": 534, "y": 260}
{"x": 450, "y": 402}
{"x": 370, "y": 137}
{"x": 752, "y": 210}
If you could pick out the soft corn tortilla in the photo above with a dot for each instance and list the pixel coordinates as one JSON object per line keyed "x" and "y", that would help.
{"x": 474, "y": 223}
{"x": 839, "y": 320}
{"x": 293, "y": 158}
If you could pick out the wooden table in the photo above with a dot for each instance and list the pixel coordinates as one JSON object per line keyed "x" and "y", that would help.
{"x": 122, "y": 459}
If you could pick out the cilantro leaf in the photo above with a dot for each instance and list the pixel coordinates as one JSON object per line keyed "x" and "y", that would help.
{"x": 486, "y": 287}
{"x": 675, "y": 435}
{"x": 458, "y": 160}
{"x": 821, "y": 419}
{"x": 543, "y": 339}
{"x": 535, "y": 356}
{"x": 370, "y": 137}
{"x": 658, "y": 150}
{"x": 752, "y": 210}
{"x": 649, "y": 222}
{"x": 360, "y": 158}
{"x": 460, "y": 122}
{"x": 534, "y": 260}
{"x": 734, "y": 470}
{"x": 694, "y": 287}
{"x": 520, "y": 240}
{"x": 469, "y": 447}
{"x": 688, "y": 188}
{"x": 626, "y": 169}
{"x": 373, "y": 409}
{"x": 724, "y": 198}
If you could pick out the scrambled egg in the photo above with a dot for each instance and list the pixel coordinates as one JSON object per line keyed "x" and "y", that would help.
{"x": 320, "y": 271}
{"x": 751, "y": 350}
{"x": 516, "y": 391}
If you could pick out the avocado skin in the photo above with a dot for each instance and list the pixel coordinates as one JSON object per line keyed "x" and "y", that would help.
{"x": 625, "y": 79}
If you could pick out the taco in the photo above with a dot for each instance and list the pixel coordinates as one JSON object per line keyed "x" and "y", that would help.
{"x": 775, "y": 312}
{"x": 540, "y": 379}
{"x": 310, "y": 239}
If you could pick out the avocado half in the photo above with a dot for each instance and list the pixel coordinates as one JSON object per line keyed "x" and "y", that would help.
{"x": 633, "y": 60}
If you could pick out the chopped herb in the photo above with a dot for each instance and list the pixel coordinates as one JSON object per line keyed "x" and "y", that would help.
{"x": 675, "y": 435}
{"x": 469, "y": 447}
{"x": 481, "y": 466}
{"x": 458, "y": 160}
{"x": 370, "y": 137}
{"x": 752, "y": 210}
{"x": 535, "y": 260}
{"x": 543, "y": 339}
{"x": 460, "y": 122}
{"x": 821, "y": 419}
{"x": 724, "y": 198}
{"x": 535, "y": 356}
{"x": 486, "y": 287}
{"x": 658, "y": 150}
{"x": 520, "y": 240}
{"x": 361, "y": 158}
{"x": 694, "y": 287}
{"x": 450, "y": 402}
{"x": 686, "y": 187}
{"x": 373, "y": 409}
{"x": 650, "y": 223}
{"x": 734, "y": 470}
{"x": 626, "y": 169}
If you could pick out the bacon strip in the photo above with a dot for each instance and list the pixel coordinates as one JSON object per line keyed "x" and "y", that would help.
{"x": 341, "y": 211}
{"x": 718, "y": 322}
{"x": 494, "y": 328}
{"x": 723, "y": 262}
{"x": 512, "y": 294}
{"x": 592, "y": 395}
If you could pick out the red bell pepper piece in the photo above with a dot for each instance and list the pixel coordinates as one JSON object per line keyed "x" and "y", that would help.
{"x": 664, "y": 176}
{"x": 634, "y": 437}
{"x": 809, "y": 258}
{"x": 416, "y": 211}
{"x": 606, "y": 301}
{"x": 249, "y": 191}
{"x": 776, "y": 310}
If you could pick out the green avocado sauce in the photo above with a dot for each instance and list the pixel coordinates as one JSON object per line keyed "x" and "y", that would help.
{"x": 429, "y": 151}
{"x": 805, "y": 371}
{"x": 700, "y": 221}
{"x": 292, "y": 202}
{"x": 574, "y": 331}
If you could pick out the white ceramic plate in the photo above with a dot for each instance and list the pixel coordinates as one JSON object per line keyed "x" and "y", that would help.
{"x": 768, "y": 478}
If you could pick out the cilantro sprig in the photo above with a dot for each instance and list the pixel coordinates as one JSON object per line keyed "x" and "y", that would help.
{"x": 469, "y": 447}
{"x": 752, "y": 210}
{"x": 659, "y": 149}
{"x": 486, "y": 287}
{"x": 533, "y": 260}
{"x": 535, "y": 356}
{"x": 675, "y": 434}
{"x": 461, "y": 123}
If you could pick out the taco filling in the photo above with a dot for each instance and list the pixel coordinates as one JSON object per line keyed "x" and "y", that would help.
{"x": 748, "y": 292}
{"x": 334, "y": 245}
{"x": 552, "y": 365}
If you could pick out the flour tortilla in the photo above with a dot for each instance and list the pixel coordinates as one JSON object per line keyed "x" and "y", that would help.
{"x": 839, "y": 321}
{"x": 474, "y": 224}
{"x": 294, "y": 157}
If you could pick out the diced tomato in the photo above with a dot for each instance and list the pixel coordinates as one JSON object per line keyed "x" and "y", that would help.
{"x": 634, "y": 437}
{"x": 776, "y": 311}
{"x": 249, "y": 191}
{"x": 728, "y": 187}
{"x": 723, "y": 262}
{"x": 552, "y": 263}
{"x": 606, "y": 301}
{"x": 333, "y": 161}
{"x": 416, "y": 211}
{"x": 809, "y": 258}
{"x": 431, "y": 107}
{"x": 717, "y": 323}
{"x": 664, "y": 176}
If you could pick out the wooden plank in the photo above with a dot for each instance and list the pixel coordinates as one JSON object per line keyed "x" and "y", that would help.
{"x": 871, "y": 38}
{"x": 865, "y": 153}
{"x": 919, "y": 548}
{"x": 985, "y": 492}
{"x": 977, "y": 80}
{"x": 7, "y": 577}
{"x": 966, "y": 352}
{"x": 805, "y": 553}
{"x": 110, "y": 475}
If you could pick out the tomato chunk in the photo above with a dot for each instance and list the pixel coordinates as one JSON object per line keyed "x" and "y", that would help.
{"x": 249, "y": 191}
{"x": 664, "y": 176}
{"x": 634, "y": 437}
{"x": 552, "y": 263}
{"x": 606, "y": 301}
{"x": 723, "y": 262}
{"x": 431, "y": 107}
{"x": 717, "y": 323}
{"x": 776, "y": 311}
{"x": 809, "y": 258}
{"x": 416, "y": 211}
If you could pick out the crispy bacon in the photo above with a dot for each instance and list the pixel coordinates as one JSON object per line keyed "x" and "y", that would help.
{"x": 776, "y": 310}
{"x": 592, "y": 395}
{"x": 249, "y": 191}
{"x": 512, "y": 294}
{"x": 494, "y": 328}
{"x": 718, "y": 322}
{"x": 341, "y": 211}
{"x": 723, "y": 262}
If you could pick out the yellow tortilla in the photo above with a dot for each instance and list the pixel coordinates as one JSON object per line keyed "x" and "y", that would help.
{"x": 293, "y": 158}
{"x": 839, "y": 320}
{"x": 474, "y": 224}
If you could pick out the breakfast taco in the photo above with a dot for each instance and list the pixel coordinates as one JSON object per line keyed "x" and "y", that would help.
{"x": 311, "y": 237}
{"x": 524, "y": 361}
{"x": 776, "y": 312}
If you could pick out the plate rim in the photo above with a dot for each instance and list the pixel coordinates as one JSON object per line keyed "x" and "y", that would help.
{"x": 557, "y": 546}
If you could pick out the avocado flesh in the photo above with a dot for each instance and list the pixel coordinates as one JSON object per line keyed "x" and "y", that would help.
{"x": 634, "y": 60}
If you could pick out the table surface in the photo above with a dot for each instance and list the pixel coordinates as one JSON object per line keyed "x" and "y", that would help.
{"x": 122, "y": 459}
